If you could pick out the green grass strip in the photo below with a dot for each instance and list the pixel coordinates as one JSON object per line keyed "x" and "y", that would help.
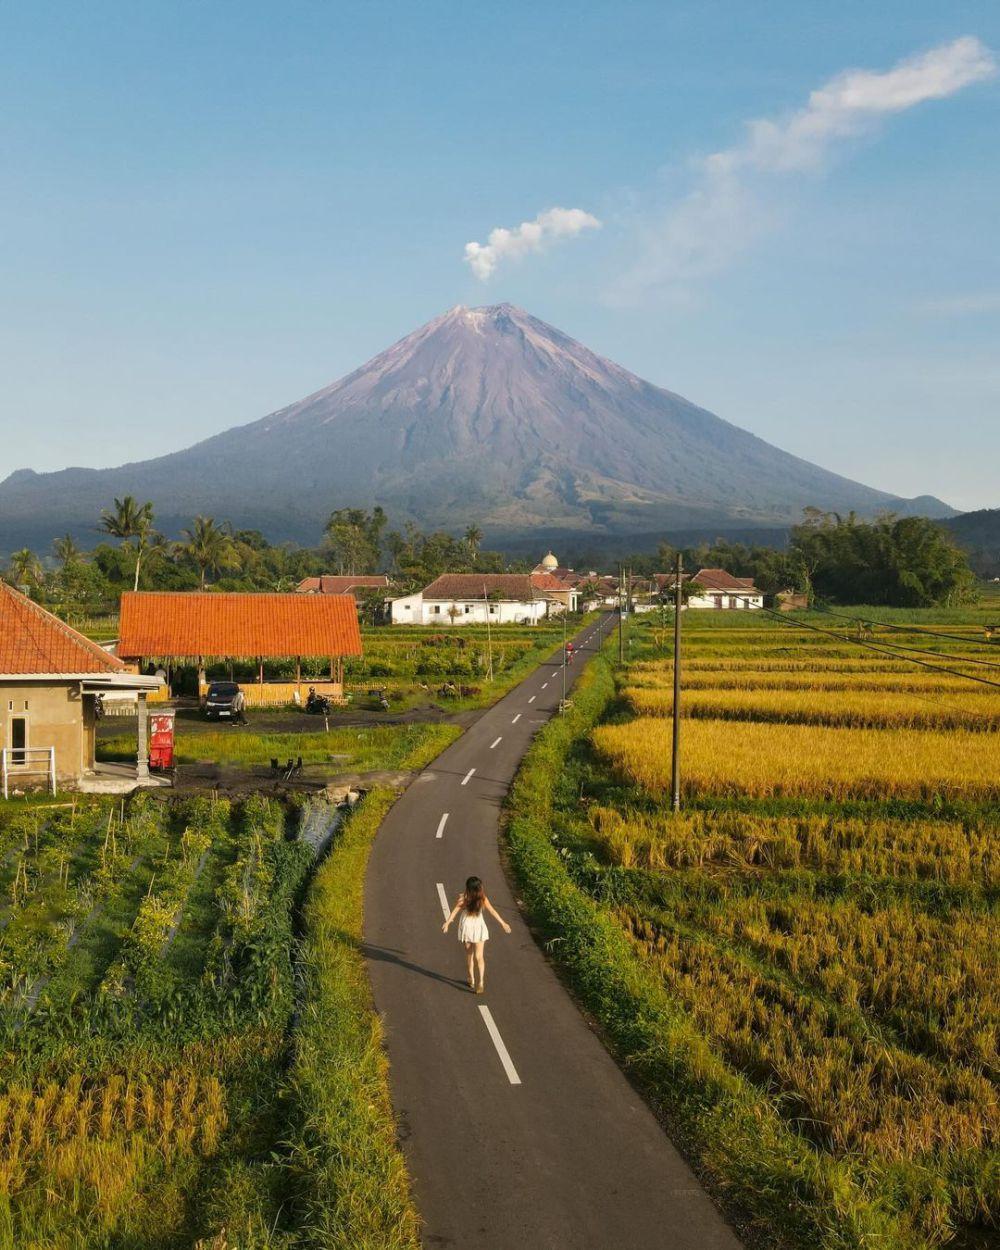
{"x": 788, "y": 1192}
{"x": 353, "y": 1189}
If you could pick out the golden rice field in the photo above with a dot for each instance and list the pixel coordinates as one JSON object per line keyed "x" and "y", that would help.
{"x": 826, "y": 908}
{"x": 764, "y": 760}
{"x": 861, "y": 709}
{"x": 932, "y": 849}
{"x": 821, "y": 676}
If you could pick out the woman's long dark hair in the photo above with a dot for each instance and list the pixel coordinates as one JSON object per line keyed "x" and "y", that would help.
{"x": 475, "y": 896}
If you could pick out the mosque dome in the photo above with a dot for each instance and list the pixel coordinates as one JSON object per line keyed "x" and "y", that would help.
{"x": 549, "y": 562}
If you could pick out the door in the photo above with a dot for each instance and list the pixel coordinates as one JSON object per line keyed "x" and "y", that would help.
{"x": 18, "y": 740}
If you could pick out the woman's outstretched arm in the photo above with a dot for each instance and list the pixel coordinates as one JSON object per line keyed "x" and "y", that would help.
{"x": 454, "y": 912}
{"x": 496, "y": 915}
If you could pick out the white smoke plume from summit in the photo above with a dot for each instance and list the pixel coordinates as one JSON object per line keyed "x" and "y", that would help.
{"x": 530, "y": 236}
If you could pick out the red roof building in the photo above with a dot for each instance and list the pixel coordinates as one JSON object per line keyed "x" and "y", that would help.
{"x": 51, "y": 680}
{"x": 198, "y": 626}
{"x": 719, "y": 579}
{"x": 478, "y": 598}
{"x": 346, "y": 584}
{"x": 34, "y": 642}
{"x": 720, "y": 589}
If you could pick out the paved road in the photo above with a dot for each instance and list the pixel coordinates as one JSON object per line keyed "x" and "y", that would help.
{"x": 519, "y": 1130}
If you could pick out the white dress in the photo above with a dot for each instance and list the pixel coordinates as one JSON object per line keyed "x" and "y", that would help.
{"x": 472, "y": 928}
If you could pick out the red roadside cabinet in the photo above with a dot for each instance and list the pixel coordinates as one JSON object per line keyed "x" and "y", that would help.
{"x": 161, "y": 739}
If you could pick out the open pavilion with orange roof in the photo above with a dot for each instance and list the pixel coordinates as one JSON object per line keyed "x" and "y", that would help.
{"x": 202, "y": 628}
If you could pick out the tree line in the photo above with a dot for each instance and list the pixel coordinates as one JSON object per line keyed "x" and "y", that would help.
{"x": 890, "y": 561}
{"x": 134, "y": 555}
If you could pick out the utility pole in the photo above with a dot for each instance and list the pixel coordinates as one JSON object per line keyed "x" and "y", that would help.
{"x": 489, "y": 635}
{"x": 621, "y": 620}
{"x": 675, "y": 771}
{"x": 562, "y": 705}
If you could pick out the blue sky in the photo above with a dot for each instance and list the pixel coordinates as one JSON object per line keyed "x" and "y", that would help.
{"x": 209, "y": 211}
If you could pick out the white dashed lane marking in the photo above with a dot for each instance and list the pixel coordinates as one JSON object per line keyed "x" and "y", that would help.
{"x": 516, "y": 719}
{"x": 468, "y": 777}
{"x": 502, "y": 1051}
{"x": 441, "y": 824}
{"x": 443, "y": 900}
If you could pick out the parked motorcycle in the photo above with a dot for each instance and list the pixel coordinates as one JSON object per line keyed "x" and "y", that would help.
{"x": 317, "y": 704}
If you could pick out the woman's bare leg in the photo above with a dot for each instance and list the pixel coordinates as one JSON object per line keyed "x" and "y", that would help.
{"x": 480, "y": 951}
{"x": 470, "y": 960}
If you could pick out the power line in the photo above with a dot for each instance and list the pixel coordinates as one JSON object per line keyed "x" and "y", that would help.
{"x": 884, "y": 649}
{"x": 908, "y": 629}
{"x": 901, "y": 646}
{"x": 881, "y": 649}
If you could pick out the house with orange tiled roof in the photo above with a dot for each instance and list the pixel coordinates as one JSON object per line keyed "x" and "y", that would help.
{"x": 721, "y": 590}
{"x": 478, "y": 598}
{"x": 342, "y": 584}
{"x": 51, "y": 682}
{"x": 208, "y": 629}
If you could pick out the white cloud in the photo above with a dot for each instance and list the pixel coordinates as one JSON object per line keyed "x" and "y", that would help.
{"x": 962, "y": 305}
{"x": 529, "y": 236}
{"x": 732, "y": 201}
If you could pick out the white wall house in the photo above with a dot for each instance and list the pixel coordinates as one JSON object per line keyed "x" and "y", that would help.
{"x": 475, "y": 598}
{"x": 722, "y": 591}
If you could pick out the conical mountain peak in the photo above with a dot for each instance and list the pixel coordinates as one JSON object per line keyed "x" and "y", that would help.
{"x": 485, "y": 415}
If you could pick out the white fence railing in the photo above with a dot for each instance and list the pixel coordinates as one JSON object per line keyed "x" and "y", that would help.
{"x": 18, "y": 762}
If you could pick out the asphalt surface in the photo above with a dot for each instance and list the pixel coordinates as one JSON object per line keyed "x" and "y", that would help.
{"x": 519, "y": 1130}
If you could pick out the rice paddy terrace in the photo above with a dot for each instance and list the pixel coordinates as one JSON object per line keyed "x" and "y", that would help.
{"x": 806, "y": 972}
{"x": 155, "y": 1015}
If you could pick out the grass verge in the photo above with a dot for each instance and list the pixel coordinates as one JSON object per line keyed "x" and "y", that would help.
{"x": 346, "y": 749}
{"x": 353, "y": 1189}
{"x": 786, "y": 1191}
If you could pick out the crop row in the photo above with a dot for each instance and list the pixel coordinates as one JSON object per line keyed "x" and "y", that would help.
{"x": 957, "y": 852}
{"x": 861, "y": 709}
{"x": 763, "y": 760}
{"x": 873, "y": 678}
{"x": 849, "y": 1089}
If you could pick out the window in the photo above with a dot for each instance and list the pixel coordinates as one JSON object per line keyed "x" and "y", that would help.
{"x": 436, "y": 608}
{"x": 493, "y": 609}
{"x": 467, "y": 609}
{"x": 19, "y": 739}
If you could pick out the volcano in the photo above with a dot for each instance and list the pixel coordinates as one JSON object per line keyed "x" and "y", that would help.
{"x": 483, "y": 415}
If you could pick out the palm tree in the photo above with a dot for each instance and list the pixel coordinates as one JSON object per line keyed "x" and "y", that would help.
{"x": 473, "y": 537}
{"x": 67, "y": 552}
{"x": 25, "y": 568}
{"x": 208, "y": 547}
{"x": 130, "y": 520}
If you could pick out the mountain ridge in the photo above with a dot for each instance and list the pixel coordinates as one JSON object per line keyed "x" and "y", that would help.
{"x": 484, "y": 415}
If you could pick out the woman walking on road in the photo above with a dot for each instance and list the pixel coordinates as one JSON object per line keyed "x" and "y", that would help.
{"x": 472, "y": 930}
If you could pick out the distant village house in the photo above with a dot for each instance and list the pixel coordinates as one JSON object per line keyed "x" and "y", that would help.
{"x": 478, "y": 598}
{"x": 721, "y": 591}
{"x": 342, "y": 584}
